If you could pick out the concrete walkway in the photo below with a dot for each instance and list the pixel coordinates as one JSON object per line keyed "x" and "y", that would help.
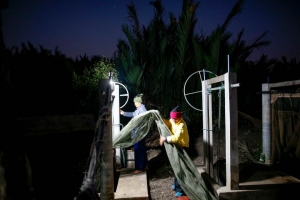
{"x": 269, "y": 184}
{"x": 132, "y": 186}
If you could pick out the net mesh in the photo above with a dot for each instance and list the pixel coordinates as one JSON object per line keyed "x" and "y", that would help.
{"x": 285, "y": 128}
{"x": 184, "y": 169}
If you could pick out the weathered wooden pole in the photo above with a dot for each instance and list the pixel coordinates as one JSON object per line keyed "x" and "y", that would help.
{"x": 266, "y": 122}
{"x": 106, "y": 151}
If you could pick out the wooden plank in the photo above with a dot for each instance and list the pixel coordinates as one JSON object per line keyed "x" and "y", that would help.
{"x": 132, "y": 186}
{"x": 283, "y": 84}
{"x": 215, "y": 80}
{"x": 210, "y": 135}
{"x": 205, "y": 120}
{"x": 266, "y": 123}
{"x": 231, "y": 119}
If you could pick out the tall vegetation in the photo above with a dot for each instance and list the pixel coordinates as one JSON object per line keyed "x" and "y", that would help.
{"x": 158, "y": 58}
{"x": 49, "y": 83}
{"x": 86, "y": 86}
{"x": 264, "y": 70}
{"x": 41, "y": 80}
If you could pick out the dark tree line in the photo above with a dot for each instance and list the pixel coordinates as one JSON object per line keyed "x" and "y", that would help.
{"x": 156, "y": 60}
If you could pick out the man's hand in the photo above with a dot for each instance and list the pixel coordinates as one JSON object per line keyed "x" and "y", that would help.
{"x": 162, "y": 140}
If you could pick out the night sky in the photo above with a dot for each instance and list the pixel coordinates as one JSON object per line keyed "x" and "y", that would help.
{"x": 93, "y": 27}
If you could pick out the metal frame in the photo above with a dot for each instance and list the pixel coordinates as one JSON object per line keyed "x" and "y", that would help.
{"x": 231, "y": 131}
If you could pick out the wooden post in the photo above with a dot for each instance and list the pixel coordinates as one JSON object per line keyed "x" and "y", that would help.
{"x": 266, "y": 122}
{"x": 231, "y": 121}
{"x": 205, "y": 120}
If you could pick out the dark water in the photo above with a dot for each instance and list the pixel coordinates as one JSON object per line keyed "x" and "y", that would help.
{"x": 58, "y": 163}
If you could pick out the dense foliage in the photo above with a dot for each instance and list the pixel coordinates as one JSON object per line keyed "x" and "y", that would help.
{"x": 46, "y": 83}
{"x": 86, "y": 86}
{"x": 155, "y": 60}
{"x": 40, "y": 81}
{"x": 158, "y": 58}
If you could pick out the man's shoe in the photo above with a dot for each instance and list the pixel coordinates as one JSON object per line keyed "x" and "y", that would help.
{"x": 178, "y": 194}
{"x": 173, "y": 187}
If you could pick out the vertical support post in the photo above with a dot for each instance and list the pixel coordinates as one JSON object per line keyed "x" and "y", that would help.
{"x": 205, "y": 127}
{"x": 231, "y": 119}
{"x": 266, "y": 122}
{"x": 107, "y": 152}
{"x": 228, "y": 65}
{"x": 210, "y": 134}
{"x": 116, "y": 111}
{"x": 116, "y": 122}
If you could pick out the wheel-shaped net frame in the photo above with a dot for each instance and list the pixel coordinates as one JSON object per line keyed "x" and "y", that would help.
{"x": 123, "y": 95}
{"x": 202, "y": 76}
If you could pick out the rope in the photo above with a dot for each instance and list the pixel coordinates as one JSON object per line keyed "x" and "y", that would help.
{"x": 209, "y": 90}
{"x": 219, "y": 121}
{"x": 88, "y": 190}
{"x": 105, "y": 116}
{"x": 218, "y": 132}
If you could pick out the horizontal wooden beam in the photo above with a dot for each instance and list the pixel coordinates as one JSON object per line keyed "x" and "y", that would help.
{"x": 283, "y": 84}
{"x": 215, "y": 80}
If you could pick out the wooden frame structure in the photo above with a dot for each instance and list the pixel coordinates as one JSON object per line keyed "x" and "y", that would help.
{"x": 266, "y": 114}
{"x": 231, "y": 132}
{"x": 262, "y": 182}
